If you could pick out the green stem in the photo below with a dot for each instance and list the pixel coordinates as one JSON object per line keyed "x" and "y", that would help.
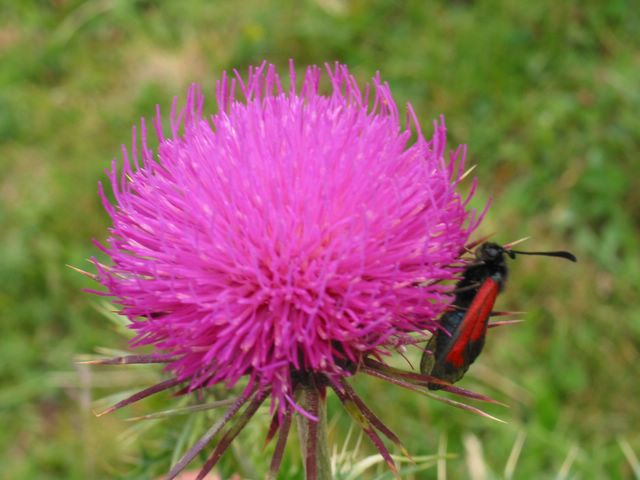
{"x": 313, "y": 435}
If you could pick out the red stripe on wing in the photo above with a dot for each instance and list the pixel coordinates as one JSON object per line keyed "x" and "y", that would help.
{"x": 474, "y": 325}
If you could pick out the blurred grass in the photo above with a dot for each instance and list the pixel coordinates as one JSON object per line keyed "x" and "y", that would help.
{"x": 544, "y": 93}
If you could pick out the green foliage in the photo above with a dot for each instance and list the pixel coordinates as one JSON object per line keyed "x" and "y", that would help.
{"x": 544, "y": 93}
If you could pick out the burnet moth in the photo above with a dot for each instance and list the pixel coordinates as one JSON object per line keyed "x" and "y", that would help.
{"x": 449, "y": 353}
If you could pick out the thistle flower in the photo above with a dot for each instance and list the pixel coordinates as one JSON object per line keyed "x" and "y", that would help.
{"x": 290, "y": 240}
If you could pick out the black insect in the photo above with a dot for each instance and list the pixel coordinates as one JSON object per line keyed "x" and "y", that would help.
{"x": 450, "y": 352}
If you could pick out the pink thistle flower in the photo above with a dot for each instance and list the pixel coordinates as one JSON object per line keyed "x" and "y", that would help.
{"x": 292, "y": 238}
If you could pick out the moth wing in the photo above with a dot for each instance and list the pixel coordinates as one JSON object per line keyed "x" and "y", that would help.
{"x": 473, "y": 327}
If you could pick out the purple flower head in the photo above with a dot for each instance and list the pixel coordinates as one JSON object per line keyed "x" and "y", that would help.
{"x": 292, "y": 232}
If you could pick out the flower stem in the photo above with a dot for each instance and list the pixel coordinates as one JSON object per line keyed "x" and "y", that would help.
{"x": 313, "y": 434}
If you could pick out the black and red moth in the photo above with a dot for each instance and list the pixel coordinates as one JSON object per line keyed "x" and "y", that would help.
{"x": 450, "y": 351}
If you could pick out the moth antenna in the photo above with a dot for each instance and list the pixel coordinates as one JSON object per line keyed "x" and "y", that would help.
{"x": 558, "y": 253}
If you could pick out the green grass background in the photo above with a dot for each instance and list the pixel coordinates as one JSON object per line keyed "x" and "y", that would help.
{"x": 546, "y": 95}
